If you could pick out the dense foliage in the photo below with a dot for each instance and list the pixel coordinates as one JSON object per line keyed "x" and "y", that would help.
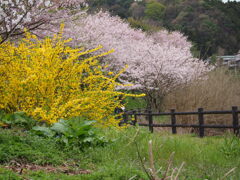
{"x": 217, "y": 23}
{"x": 154, "y": 10}
{"x": 49, "y": 80}
{"x": 115, "y": 6}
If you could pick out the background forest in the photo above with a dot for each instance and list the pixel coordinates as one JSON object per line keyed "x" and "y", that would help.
{"x": 213, "y": 26}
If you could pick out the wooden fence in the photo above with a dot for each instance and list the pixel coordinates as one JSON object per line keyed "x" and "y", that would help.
{"x": 174, "y": 125}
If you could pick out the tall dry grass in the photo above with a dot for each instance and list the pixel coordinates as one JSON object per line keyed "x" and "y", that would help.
{"x": 220, "y": 90}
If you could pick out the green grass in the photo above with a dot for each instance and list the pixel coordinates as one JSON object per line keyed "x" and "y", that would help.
{"x": 25, "y": 148}
{"x": 161, "y": 119}
{"x": 207, "y": 158}
{"x": 135, "y": 103}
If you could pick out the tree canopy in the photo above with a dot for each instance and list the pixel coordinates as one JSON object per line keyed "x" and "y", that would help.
{"x": 213, "y": 26}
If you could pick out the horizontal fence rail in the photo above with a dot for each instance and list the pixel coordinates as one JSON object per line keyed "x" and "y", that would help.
{"x": 173, "y": 116}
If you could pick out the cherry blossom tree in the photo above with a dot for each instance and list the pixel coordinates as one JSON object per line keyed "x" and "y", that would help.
{"x": 15, "y": 15}
{"x": 157, "y": 63}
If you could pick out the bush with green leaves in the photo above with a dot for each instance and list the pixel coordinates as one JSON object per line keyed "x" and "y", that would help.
{"x": 76, "y": 132}
{"x": 19, "y": 119}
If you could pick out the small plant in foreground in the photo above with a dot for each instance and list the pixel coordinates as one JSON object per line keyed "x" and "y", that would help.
{"x": 19, "y": 119}
{"x": 170, "y": 172}
{"x": 75, "y": 132}
{"x": 153, "y": 174}
{"x": 231, "y": 147}
{"x": 156, "y": 171}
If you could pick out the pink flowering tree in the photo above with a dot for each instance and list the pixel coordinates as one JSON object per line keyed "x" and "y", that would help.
{"x": 15, "y": 15}
{"x": 157, "y": 63}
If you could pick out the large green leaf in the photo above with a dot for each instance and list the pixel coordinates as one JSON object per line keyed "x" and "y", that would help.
{"x": 43, "y": 131}
{"x": 60, "y": 127}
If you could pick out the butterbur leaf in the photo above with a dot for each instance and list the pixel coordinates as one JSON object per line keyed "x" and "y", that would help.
{"x": 88, "y": 139}
{"x": 8, "y": 118}
{"x": 43, "y": 131}
{"x": 81, "y": 132}
{"x": 19, "y": 119}
{"x": 87, "y": 123}
{"x": 91, "y": 132}
{"x": 20, "y": 113}
{"x": 75, "y": 132}
{"x": 62, "y": 121}
{"x": 6, "y": 121}
{"x": 60, "y": 128}
{"x": 65, "y": 140}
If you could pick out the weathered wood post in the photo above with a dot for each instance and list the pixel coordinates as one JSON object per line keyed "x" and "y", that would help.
{"x": 146, "y": 116}
{"x": 139, "y": 116}
{"x": 201, "y": 122}
{"x": 135, "y": 118}
{"x": 173, "y": 121}
{"x": 235, "y": 120}
{"x": 125, "y": 116}
{"x": 150, "y": 121}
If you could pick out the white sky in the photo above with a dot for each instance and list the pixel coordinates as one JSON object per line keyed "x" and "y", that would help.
{"x": 229, "y": 0}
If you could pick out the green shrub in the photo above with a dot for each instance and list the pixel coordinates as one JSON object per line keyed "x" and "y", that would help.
{"x": 19, "y": 119}
{"x": 73, "y": 133}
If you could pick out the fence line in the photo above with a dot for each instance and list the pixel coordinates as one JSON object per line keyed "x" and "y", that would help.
{"x": 200, "y": 113}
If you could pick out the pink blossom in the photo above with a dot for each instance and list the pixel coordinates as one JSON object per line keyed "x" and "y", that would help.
{"x": 158, "y": 61}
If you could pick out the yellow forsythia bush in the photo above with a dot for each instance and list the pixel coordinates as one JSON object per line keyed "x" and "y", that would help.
{"x": 49, "y": 80}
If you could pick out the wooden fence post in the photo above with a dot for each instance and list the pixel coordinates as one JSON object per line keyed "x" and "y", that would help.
{"x": 135, "y": 118}
{"x": 201, "y": 122}
{"x": 146, "y": 116}
{"x": 150, "y": 121}
{"x": 139, "y": 116}
{"x": 125, "y": 116}
{"x": 173, "y": 121}
{"x": 235, "y": 120}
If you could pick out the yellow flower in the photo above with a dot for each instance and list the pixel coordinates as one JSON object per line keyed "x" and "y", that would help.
{"x": 49, "y": 80}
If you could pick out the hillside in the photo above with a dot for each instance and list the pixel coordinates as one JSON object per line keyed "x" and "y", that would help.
{"x": 212, "y": 26}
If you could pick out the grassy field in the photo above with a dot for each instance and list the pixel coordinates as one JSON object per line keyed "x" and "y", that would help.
{"x": 135, "y": 103}
{"x": 208, "y": 158}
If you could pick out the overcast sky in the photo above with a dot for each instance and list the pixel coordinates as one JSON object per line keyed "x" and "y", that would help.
{"x": 229, "y": 0}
